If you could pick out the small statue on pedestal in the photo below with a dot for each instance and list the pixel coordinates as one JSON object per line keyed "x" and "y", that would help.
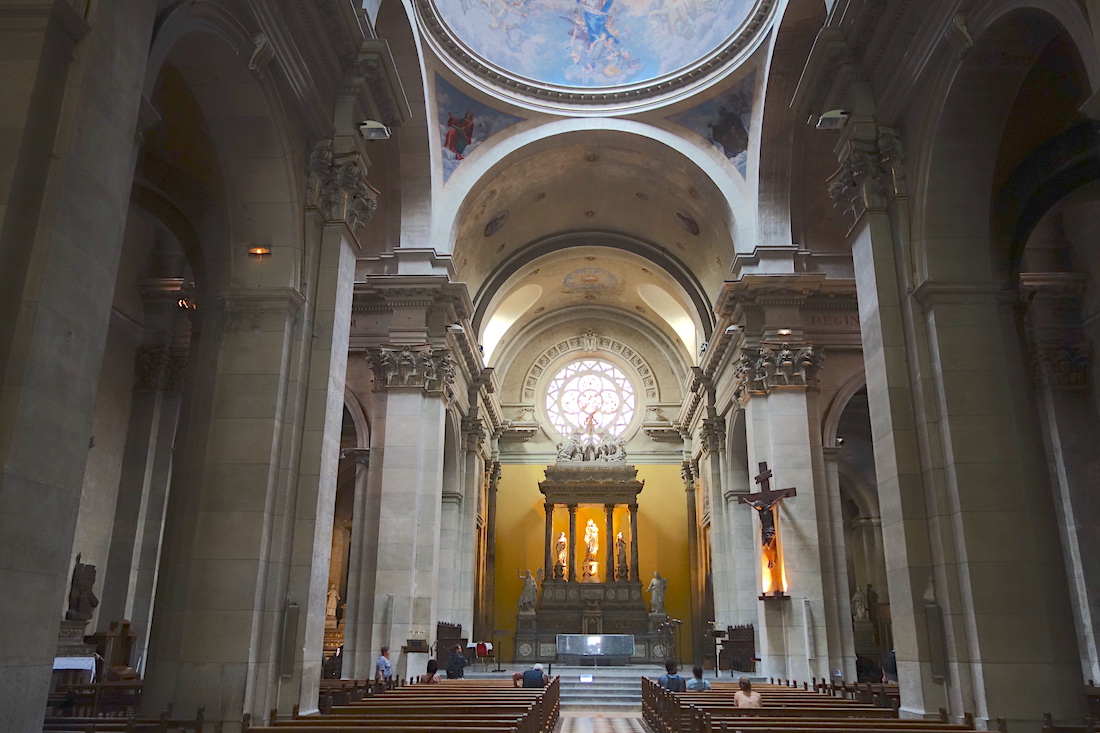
{"x": 82, "y": 601}
{"x": 623, "y": 572}
{"x": 530, "y": 594}
{"x": 859, "y": 606}
{"x": 561, "y": 565}
{"x": 591, "y": 547}
{"x": 657, "y": 588}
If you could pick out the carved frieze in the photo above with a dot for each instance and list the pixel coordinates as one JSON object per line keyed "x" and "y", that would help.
{"x": 1064, "y": 366}
{"x": 337, "y": 187}
{"x": 767, "y": 369}
{"x": 412, "y": 366}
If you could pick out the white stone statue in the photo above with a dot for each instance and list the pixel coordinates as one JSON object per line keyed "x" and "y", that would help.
{"x": 563, "y": 557}
{"x": 859, "y": 606}
{"x": 620, "y": 555}
{"x": 332, "y": 601}
{"x": 656, "y": 589}
{"x": 591, "y": 541}
{"x": 530, "y": 594}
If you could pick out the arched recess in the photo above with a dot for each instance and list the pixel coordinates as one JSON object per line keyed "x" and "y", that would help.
{"x": 658, "y": 255}
{"x": 958, "y": 162}
{"x": 856, "y": 383}
{"x": 255, "y": 157}
{"x": 727, "y": 207}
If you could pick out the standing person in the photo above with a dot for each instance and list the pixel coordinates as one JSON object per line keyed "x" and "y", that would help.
{"x": 670, "y": 680}
{"x": 745, "y": 697}
{"x": 533, "y": 677}
{"x": 431, "y": 677}
{"x": 697, "y": 683}
{"x": 456, "y": 664}
{"x": 383, "y": 669}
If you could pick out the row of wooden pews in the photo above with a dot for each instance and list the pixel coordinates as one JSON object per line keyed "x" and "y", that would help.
{"x": 469, "y": 706}
{"x": 787, "y": 709}
{"x": 164, "y": 723}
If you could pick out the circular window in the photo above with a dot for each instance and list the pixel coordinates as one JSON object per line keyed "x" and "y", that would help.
{"x": 590, "y": 393}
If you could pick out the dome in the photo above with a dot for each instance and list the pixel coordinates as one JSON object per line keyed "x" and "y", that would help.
{"x": 593, "y": 51}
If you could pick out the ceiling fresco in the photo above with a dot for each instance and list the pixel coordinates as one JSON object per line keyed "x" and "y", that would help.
{"x": 464, "y": 124}
{"x": 594, "y": 44}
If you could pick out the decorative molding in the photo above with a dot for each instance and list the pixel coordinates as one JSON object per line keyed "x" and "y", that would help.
{"x": 337, "y": 187}
{"x": 453, "y": 50}
{"x": 871, "y": 175}
{"x": 589, "y": 342}
{"x": 768, "y": 369}
{"x": 688, "y": 475}
{"x": 473, "y": 434}
{"x": 515, "y": 432}
{"x": 419, "y": 367}
{"x": 664, "y": 432}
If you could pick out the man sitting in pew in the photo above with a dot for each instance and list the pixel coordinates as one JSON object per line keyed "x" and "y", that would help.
{"x": 533, "y": 677}
{"x": 745, "y": 697}
{"x": 670, "y": 680}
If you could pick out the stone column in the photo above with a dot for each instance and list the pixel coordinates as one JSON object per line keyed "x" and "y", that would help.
{"x": 410, "y": 477}
{"x": 548, "y": 563}
{"x": 358, "y": 660}
{"x": 473, "y": 434}
{"x": 609, "y": 569}
{"x": 713, "y": 441}
{"x": 698, "y": 623}
{"x": 634, "y": 571}
{"x": 67, "y": 179}
{"x": 488, "y": 603}
{"x": 842, "y": 593}
{"x": 573, "y": 542}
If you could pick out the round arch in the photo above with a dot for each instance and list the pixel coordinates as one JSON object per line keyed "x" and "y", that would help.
{"x": 491, "y": 159}
{"x": 970, "y": 96}
{"x": 844, "y": 395}
{"x": 358, "y": 417}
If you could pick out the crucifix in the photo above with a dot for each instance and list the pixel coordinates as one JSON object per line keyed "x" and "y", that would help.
{"x": 764, "y": 502}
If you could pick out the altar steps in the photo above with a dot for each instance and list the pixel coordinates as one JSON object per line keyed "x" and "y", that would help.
{"x": 611, "y": 689}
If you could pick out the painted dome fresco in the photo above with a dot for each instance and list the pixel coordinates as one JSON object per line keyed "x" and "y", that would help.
{"x": 593, "y": 47}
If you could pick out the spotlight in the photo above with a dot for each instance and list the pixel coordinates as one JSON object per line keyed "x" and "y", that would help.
{"x": 374, "y": 130}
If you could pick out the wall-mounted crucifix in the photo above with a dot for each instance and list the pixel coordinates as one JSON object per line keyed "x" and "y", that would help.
{"x": 764, "y": 502}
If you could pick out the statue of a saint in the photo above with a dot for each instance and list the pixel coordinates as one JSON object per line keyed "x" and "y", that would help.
{"x": 620, "y": 556}
{"x": 657, "y": 588}
{"x": 332, "y": 601}
{"x": 591, "y": 547}
{"x": 530, "y": 593}
{"x": 82, "y": 601}
{"x": 859, "y": 606}
{"x": 562, "y": 564}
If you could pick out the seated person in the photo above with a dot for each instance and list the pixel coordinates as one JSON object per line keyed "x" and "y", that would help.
{"x": 533, "y": 677}
{"x": 745, "y": 697}
{"x": 456, "y": 664}
{"x": 670, "y": 680}
{"x": 697, "y": 683}
{"x": 431, "y": 677}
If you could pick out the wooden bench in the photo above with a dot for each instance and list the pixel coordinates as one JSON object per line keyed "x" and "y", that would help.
{"x": 163, "y": 724}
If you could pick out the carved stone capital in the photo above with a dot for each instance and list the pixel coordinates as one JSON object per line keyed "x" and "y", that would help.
{"x": 713, "y": 435}
{"x": 337, "y": 187}
{"x": 150, "y": 363}
{"x": 872, "y": 173}
{"x": 688, "y": 475}
{"x": 1062, "y": 365}
{"x": 473, "y": 434}
{"x": 420, "y": 367}
{"x": 175, "y": 371}
{"x": 768, "y": 369}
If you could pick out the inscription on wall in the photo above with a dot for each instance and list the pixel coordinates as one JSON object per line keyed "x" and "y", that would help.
{"x": 832, "y": 321}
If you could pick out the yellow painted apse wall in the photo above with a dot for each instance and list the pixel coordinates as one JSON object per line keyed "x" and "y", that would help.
{"x": 662, "y": 538}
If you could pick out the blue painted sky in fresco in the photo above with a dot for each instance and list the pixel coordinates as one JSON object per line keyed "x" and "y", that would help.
{"x": 725, "y": 121}
{"x": 593, "y": 43}
{"x": 451, "y": 103}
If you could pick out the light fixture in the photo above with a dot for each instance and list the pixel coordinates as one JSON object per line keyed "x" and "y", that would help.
{"x": 374, "y": 130}
{"x": 784, "y": 332}
{"x": 259, "y": 250}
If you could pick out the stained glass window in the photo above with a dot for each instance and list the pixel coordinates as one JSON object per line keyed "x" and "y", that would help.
{"x": 590, "y": 391}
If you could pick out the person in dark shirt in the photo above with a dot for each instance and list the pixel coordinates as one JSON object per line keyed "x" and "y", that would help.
{"x": 670, "y": 680}
{"x": 456, "y": 664}
{"x": 533, "y": 677}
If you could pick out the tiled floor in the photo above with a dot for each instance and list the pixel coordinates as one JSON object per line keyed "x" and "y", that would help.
{"x": 601, "y": 724}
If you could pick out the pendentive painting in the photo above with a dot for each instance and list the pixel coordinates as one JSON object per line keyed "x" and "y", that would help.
{"x": 464, "y": 124}
{"x": 725, "y": 121}
{"x": 593, "y": 43}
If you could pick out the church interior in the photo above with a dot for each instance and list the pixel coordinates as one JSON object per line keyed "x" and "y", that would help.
{"x": 754, "y": 334}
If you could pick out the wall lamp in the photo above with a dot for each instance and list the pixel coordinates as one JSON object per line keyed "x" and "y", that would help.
{"x": 259, "y": 250}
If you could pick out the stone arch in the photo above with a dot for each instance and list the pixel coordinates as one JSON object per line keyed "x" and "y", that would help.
{"x": 849, "y": 389}
{"x": 258, "y": 159}
{"x": 972, "y": 98}
{"x": 358, "y": 417}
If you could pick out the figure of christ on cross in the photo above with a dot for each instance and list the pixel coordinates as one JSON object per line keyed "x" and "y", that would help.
{"x": 764, "y": 502}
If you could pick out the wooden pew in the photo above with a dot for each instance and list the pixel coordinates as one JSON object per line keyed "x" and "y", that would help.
{"x": 163, "y": 724}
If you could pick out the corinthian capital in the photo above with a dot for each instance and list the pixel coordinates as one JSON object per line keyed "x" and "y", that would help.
{"x": 1062, "y": 366}
{"x": 419, "y": 367}
{"x": 714, "y": 435}
{"x": 871, "y": 174}
{"x": 337, "y": 187}
{"x": 768, "y": 369}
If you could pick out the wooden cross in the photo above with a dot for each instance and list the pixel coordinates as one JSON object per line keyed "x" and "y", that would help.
{"x": 764, "y": 503}
{"x": 766, "y": 498}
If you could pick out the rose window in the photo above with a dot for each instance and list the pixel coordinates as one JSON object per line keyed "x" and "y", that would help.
{"x": 590, "y": 394}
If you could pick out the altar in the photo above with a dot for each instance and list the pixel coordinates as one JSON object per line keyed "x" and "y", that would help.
{"x": 585, "y": 592}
